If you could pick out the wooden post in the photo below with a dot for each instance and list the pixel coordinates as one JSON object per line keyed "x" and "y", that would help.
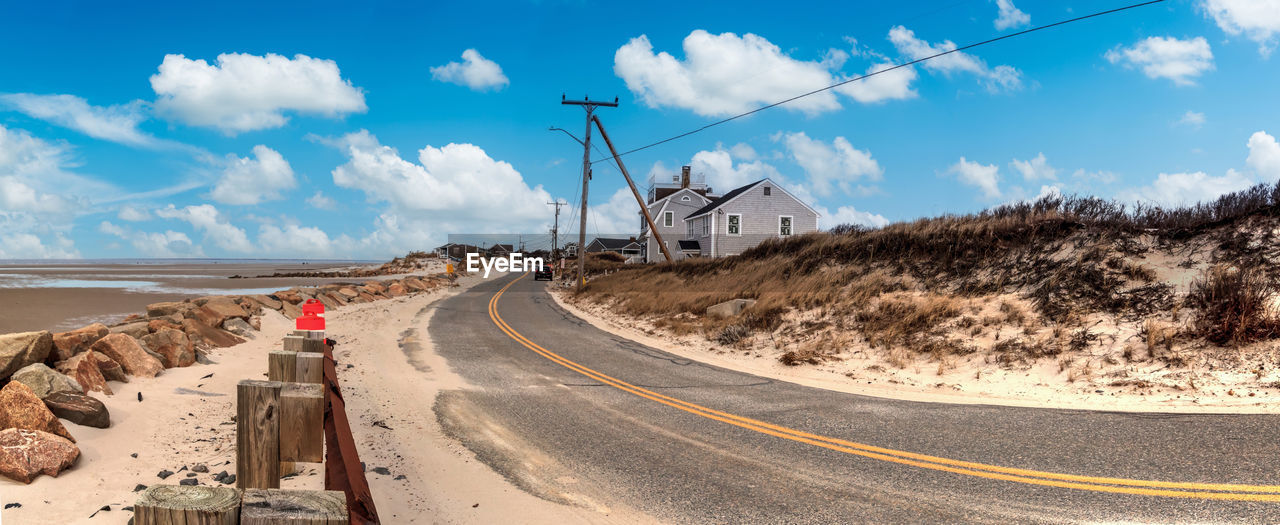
{"x": 309, "y": 368}
{"x": 312, "y": 346}
{"x": 310, "y": 334}
{"x": 258, "y": 434}
{"x": 290, "y": 507}
{"x": 302, "y": 422}
{"x": 293, "y": 343}
{"x": 180, "y": 504}
{"x": 282, "y": 366}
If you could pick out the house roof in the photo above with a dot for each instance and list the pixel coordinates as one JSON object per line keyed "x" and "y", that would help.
{"x": 688, "y": 245}
{"x": 610, "y": 243}
{"x": 723, "y": 199}
{"x": 503, "y": 247}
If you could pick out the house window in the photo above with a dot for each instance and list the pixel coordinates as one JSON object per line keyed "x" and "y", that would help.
{"x": 735, "y": 224}
{"x": 668, "y": 218}
{"x": 784, "y": 225}
{"x": 688, "y": 226}
{"x": 706, "y": 226}
{"x": 685, "y": 198}
{"x": 767, "y": 190}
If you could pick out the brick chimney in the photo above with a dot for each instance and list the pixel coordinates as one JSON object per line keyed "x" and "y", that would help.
{"x": 684, "y": 177}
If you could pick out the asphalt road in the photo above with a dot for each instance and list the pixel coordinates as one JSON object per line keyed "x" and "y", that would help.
{"x": 577, "y": 415}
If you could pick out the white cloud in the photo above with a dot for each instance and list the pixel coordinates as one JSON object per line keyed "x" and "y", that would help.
{"x": 1264, "y": 156}
{"x": 30, "y": 246}
{"x": 1000, "y": 78}
{"x": 243, "y": 92}
{"x": 133, "y": 214}
{"x": 834, "y": 165}
{"x": 1257, "y": 20}
{"x": 455, "y": 188}
{"x": 1192, "y": 119}
{"x": 743, "y": 151}
{"x": 985, "y": 177}
{"x": 17, "y": 196}
{"x": 37, "y": 193}
{"x": 1010, "y": 16}
{"x": 294, "y": 241}
{"x": 620, "y": 215}
{"x": 1181, "y": 61}
{"x": 475, "y": 72}
{"x": 113, "y": 123}
{"x": 320, "y": 201}
{"x": 216, "y": 228}
{"x": 1035, "y": 169}
{"x": 890, "y": 85}
{"x": 250, "y": 181}
{"x": 1177, "y": 189}
{"x": 722, "y": 75}
{"x": 157, "y": 244}
{"x": 850, "y": 215}
{"x": 723, "y": 174}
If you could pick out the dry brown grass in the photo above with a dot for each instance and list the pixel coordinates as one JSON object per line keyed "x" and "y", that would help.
{"x": 1233, "y": 305}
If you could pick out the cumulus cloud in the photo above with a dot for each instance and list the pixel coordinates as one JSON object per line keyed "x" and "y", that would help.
{"x": 242, "y": 92}
{"x": 890, "y": 85}
{"x": 837, "y": 165}
{"x": 293, "y": 241}
{"x": 723, "y": 174}
{"x": 39, "y": 197}
{"x": 850, "y": 215}
{"x": 320, "y": 201}
{"x": 30, "y": 246}
{"x": 1010, "y": 16}
{"x": 215, "y": 227}
{"x": 475, "y": 72}
{"x": 1264, "y": 156}
{"x": 456, "y": 188}
{"x": 1035, "y": 169}
{"x": 1177, "y": 189}
{"x": 1181, "y": 61}
{"x": 114, "y": 123}
{"x": 1257, "y": 20}
{"x": 168, "y": 243}
{"x": 998, "y": 79}
{"x": 132, "y": 213}
{"x": 722, "y": 75}
{"x": 253, "y": 180}
{"x": 982, "y": 176}
{"x": 620, "y": 215}
{"x": 1192, "y": 119}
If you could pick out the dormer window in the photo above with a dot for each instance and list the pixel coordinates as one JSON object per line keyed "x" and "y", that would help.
{"x": 767, "y": 190}
{"x": 685, "y": 198}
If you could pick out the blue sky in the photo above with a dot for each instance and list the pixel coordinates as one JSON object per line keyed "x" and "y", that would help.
{"x": 332, "y": 130}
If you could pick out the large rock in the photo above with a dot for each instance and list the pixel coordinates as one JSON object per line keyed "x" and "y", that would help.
{"x": 730, "y": 308}
{"x": 44, "y": 380}
{"x": 133, "y": 359}
{"x": 350, "y": 292}
{"x": 251, "y": 306}
{"x": 291, "y": 310}
{"x": 289, "y": 296}
{"x": 267, "y": 301}
{"x": 67, "y": 344}
{"x": 327, "y": 301}
{"x": 21, "y": 408}
{"x": 168, "y": 308}
{"x": 224, "y": 308}
{"x": 208, "y": 335}
{"x": 25, "y": 454}
{"x": 337, "y": 298}
{"x": 135, "y": 329}
{"x": 21, "y": 349}
{"x": 240, "y": 327}
{"x": 83, "y": 367}
{"x": 155, "y": 325}
{"x": 397, "y": 290}
{"x": 111, "y": 370}
{"x": 79, "y": 409}
{"x": 173, "y": 346}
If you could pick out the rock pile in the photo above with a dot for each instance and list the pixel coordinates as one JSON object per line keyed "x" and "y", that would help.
{"x": 47, "y": 376}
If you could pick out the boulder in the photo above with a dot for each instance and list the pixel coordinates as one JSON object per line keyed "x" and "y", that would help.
{"x": 397, "y": 290}
{"x": 155, "y": 325}
{"x": 67, "y": 344}
{"x": 21, "y": 408}
{"x": 25, "y": 454}
{"x": 133, "y": 359}
{"x": 291, "y": 310}
{"x": 730, "y": 308}
{"x": 173, "y": 346}
{"x": 168, "y": 308}
{"x": 204, "y": 315}
{"x": 83, "y": 367}
{"x": 21, "y": 349}
{"x": 337, "y": 298}
{"x": 224, "y": 308}
{"x": 208, "y": 335}
{"x": 375, "y": 287}
{"x": 366, "y": 298}
{"x": 250, "y": 305}
{"x": 240, "y": 327}
{"x": 79, "y": 409}
{"x": 135, "y": 329}
{"x": 111, "y": 370}
{"x": 327, "y": 301}
{"x": 267, "y": 301}
{"x": 351, "y": 293}
{"x": 256, "y": 323}
{"x": 413, "y": 284}
{"x": 289, "y": 296}
{"x": 45, "y": 381}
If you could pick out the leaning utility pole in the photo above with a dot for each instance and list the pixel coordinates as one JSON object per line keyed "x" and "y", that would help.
{"x": 653, "y": 228}
{"x": 555, "y": 230}
{"x": 590, "y": 106}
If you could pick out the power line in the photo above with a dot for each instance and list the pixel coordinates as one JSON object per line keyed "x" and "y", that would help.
{"x": 886, "y": 70}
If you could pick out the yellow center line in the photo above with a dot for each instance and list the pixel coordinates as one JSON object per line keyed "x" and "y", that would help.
{"x": 1220, "y": 491}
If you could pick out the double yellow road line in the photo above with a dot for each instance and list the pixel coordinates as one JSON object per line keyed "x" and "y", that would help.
{"x": 1214, "y": 491}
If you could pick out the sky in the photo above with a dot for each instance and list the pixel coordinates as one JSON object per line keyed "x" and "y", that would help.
{"x": 334, "y": 130}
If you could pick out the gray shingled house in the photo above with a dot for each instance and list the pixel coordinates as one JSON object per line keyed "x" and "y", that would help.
{"x": 669, "y": 204}
{"x": 746, "y": 217}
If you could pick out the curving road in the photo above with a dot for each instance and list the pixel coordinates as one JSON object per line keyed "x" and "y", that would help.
{"x": 577, "y": 415}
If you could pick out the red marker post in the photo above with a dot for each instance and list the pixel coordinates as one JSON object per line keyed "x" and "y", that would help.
{"x": 312, "y": 316}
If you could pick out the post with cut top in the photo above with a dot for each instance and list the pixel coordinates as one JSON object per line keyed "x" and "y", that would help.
{"x": 302, "y": 422}
{"x": 180, "y": 504}
{"x": 282, "y": 366}
{"x": 294, "y": 507}
{"x": 258, "y": 434}
{"x": 309, "y": 367}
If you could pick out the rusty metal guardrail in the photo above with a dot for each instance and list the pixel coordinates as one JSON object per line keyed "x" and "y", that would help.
{"x": 342, "y": 467}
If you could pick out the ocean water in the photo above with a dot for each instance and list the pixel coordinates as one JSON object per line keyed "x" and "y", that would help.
{"x": 157, "y": 276}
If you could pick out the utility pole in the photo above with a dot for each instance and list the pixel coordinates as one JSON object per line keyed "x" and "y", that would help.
{"x": 555, "y": 230}
{"x": 590, "y": 106}
{"x": 653, "y": 228}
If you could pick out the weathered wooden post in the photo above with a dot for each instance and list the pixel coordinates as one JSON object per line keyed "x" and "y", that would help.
{"x": 302, "y": 422}
{"x": 182, "y": 505}
{"x": 258, "y": 434}
{"x": 290, "y": 507}
{"x": 309, "y": 368}
{"x": 282, "y": 366}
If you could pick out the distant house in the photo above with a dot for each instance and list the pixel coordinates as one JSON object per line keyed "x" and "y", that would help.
{"x": 669, "y": 206}
{"x": 501, "y": 250}
{"x": 456, "y": 251}
{"x": 627, "y": 247}
{"x": 746, "y": 217}
{"x": 571, "y": 249}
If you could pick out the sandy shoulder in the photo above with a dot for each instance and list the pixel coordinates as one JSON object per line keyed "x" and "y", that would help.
{"x": 870, "y": 375}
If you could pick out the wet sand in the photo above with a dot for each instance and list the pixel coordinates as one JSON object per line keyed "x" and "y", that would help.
{"x": 60, "y": 297}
